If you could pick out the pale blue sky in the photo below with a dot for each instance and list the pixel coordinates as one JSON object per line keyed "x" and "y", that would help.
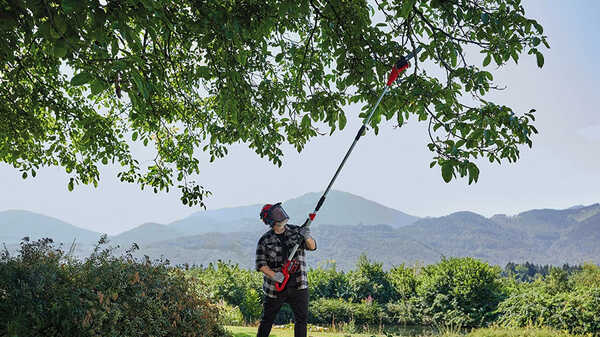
{"x": 561, "y": 170}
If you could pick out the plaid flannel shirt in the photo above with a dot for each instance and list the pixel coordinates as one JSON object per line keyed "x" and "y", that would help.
{"x": 269, "y": 252}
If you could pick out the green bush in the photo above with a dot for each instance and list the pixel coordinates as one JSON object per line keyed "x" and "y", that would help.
{"x": 46, "y": 293}
{"x": 230, "y": 315}
{"x": 327, "y": 311}
{"x": 285, "y": 315}
{"x": 577, "y": 311}
{"x": 588, "y": 277}
{"x": 369, "y": 280}
{"x": 238, "y": 287}
{"x": 404, "y": 280}
{"x": 328, "y": 283}
{"x": 405, "y": 312}
{"x": 460, "y": 292}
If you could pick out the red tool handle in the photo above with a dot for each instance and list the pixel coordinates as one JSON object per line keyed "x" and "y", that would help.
{"x": 401, "y": 66}
{"x": 290, "y": 267}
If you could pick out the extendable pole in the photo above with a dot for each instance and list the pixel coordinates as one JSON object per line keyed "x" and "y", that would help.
{"x": 398, "y": 68}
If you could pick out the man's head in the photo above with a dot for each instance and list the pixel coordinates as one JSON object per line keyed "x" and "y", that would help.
{"x": 274, "y": 215}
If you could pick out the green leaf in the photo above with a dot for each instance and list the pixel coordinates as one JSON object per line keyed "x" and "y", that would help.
{"x": 473, "y": 173}
{"x": 406, "y": 8}
{"x": 447, "y": 170}
{"x": 540, "y": 59}
{"x": 342, "y": 121}
{"x": 105, "y": 161}
{"x": 24, "y": 175}
{"x": 114, "y": 47}
{"x": 134, "y": 136}
{"x": 305, "y": 121}
{"x": 485, "y": 18}
{"x": 140, "y": 84}
{"x": 147, "y": 4}
{"x": 60, "y": 49}
{"x": 70, "y": 5}
{"x": 98, "y": 86}
{"x": 81, "y": 78}
{"x": 487, "y": 60}
{"x": 70, "y": 185}
{"x": 60, "y": 24}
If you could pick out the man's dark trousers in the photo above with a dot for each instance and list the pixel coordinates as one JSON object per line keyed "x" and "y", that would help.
{"x": 298, "y": 301}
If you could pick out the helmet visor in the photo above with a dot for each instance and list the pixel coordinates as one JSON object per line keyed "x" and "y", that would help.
{"x": 277, "y": 213}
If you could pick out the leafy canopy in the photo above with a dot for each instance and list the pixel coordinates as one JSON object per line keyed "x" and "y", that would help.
{"x": 81, "y": 79}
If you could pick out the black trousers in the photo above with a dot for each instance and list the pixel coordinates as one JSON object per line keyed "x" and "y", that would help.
{"x": 298, "y": 301}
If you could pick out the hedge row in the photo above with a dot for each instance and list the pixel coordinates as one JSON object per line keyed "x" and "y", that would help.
{"x": 454, "y": 292}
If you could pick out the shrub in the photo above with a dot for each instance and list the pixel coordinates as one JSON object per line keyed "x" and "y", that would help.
{"x": 532, "y": 307}
{"x": 46, "y": 293}
{"x": 405, "y": 312}
{"x": 230, "y": 315}
{"x": 460, "y": 292}
{"x": 285, "y": 315}
{"x": 327, "y": 311}
{"x": 238, "y": 287}
{"x": 577, "y": 311}
{"x": 404, "y": 280}
{"x": 369, "y": 280}
{"x": 328, "y": 283}
{"x": 588, "y": 277}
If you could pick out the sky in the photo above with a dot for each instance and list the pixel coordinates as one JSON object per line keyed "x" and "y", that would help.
{"x": 561, "y": 170}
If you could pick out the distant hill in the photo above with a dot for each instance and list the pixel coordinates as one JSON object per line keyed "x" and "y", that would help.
{"x": 17, "y": 224}
{"x": 146, "y": 234}
{"x": 347, "y": 227}
{"x": 540, "y": 236}
{"x": 341, "y": 208}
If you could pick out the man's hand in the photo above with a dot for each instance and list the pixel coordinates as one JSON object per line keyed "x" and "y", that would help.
{"x": 278, "y": 277}
{"x": 305, "y": 232}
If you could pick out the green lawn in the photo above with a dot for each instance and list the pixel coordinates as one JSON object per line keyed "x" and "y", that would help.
{"x": 242, "y": 331}
{"x": 490, "y": 332}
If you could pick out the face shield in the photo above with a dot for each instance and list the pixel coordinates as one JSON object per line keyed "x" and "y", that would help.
{"x": 273, "y": 214}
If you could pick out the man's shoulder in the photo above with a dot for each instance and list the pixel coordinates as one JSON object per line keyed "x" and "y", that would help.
{"x": 266, "y": 236}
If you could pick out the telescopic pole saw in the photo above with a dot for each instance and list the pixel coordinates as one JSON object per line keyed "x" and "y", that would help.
{"x": 289, "y": 267}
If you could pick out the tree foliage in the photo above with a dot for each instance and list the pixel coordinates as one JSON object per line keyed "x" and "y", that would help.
{"x": 81, "y": 79}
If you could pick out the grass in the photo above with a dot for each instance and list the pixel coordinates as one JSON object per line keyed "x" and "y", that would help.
{"x": 521, "y": 332}
{"x": 239, "y": 331}
{"x": 243, "y": 331}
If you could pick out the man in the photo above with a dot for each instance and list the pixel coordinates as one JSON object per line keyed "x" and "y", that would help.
{"x": 272, "y": 252}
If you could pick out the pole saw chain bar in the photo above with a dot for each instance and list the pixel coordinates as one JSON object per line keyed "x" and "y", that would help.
{"x": 291, "y": 265}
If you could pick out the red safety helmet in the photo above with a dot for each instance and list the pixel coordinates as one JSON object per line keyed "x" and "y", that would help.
{"x": 271, "y": 214}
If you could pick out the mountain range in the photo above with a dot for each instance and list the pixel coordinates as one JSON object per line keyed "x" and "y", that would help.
{"x": 346, "y": 227}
